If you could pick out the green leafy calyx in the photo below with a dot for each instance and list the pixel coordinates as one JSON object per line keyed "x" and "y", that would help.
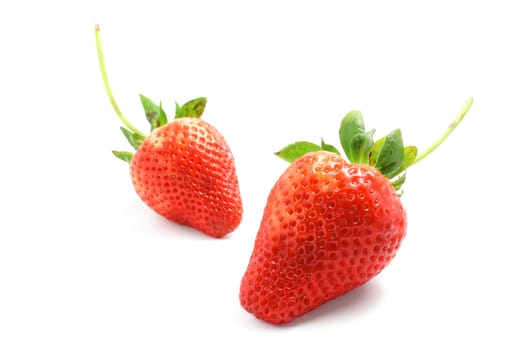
{"x": 156, "y": 117}
{"x": 388, "y": 154}
{"x": 154, "y": 113}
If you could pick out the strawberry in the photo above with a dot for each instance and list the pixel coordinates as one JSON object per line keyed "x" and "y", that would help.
{"x": 184, "y": 169}
{"x": 330, "y": 224}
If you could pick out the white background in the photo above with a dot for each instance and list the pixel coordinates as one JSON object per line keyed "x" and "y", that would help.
{"x": 85, "y": 265}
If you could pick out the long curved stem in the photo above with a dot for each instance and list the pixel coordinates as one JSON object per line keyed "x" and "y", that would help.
{"x": 108, "y": 88}
{"x": 446, "y": 133}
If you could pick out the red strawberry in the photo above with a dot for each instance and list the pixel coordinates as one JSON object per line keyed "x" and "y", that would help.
{"x": 329, "y": 225}
{"x": 184, "y": 170}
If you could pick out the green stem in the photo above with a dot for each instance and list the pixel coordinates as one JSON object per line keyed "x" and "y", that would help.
{"x": 106, "y": 85}
{"x": 446, "y": 133}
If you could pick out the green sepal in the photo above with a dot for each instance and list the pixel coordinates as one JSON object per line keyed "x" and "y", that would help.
{"x": 193, "y": 108}
{"x": 410, "y": 154}
{"x": 388, "y": 153}
{"x": 329, "y": 148}
{"x": 360, "y": 146}
{"x": 374, "y": 153}
{"x": 163, "y": 118}
{"x": 351, "y": 125}
{"x": 399, "y": 181}
{"x": 134, "y": 139}
{"x": 154, "y": 113}
{"x": 123, "y": 155}
{"x": 296, "y": 150}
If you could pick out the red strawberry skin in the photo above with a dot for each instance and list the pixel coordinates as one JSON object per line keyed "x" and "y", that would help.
{"x": 328, "y": 227}
{"x": 185, "y": 172}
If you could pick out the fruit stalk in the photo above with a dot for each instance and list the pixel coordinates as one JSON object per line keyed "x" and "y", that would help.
{"x": 107, "y": 86}
{"x": 452, "y": 126}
